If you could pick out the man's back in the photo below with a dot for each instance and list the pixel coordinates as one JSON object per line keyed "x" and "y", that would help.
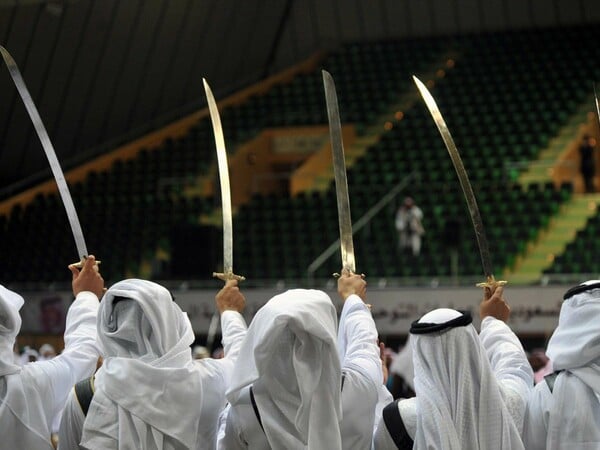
{"x": 564, "y": 410}
{"x": 32, "y": 395}
{"x": 150, "y": 393}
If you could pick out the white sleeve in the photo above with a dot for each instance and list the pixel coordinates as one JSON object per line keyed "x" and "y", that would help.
{"x": 509, "y": 364}
{"x": 363, "y": 375}
{"x": 537, "y": 416}
{"x": 71, "y": 424}
{"x": 56, "y": 377}
{"x": 234, "y": 331}
{"x": 357, "y": 340}
{"x": 228, "y": 438}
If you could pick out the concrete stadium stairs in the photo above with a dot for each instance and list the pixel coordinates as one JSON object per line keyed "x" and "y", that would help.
{"x": 384, "y": 122}
{"x": 552, "y": 241}
{"x": 544, "y": 168}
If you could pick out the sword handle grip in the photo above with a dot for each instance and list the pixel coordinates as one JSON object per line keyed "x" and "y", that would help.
{"x": 347, "y": 271}
{"x": 79, "y": 264}
{"x": 228, "y": 276}
{"x": 491, "y": 283}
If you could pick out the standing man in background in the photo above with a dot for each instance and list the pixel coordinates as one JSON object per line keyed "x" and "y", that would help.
{"x": 409, "y": 226}
{"x": 587, "y": 151}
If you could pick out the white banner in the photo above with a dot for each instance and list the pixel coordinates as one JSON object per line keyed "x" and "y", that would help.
{"x": 534, "y": 309}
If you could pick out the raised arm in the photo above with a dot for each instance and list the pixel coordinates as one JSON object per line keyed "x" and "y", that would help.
{"x": 56, "y": 377}
{"x": 357, "y": 334}
{"x": 506, "y": 355}
{"x": 230, "y": 303}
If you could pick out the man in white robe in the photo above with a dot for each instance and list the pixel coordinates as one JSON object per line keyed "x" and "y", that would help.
{"x": 409, "y": 225}
{"x": 150, "y": 393}
{"x": 30, "y": 396}
{"x": 286, "y": 389}
{"x": 471, "y": 391}
{"x": 563, "y": 411}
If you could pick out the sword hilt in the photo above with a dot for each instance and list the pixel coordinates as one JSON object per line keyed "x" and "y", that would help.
{"x": 79, "y": 264}
{"x": 228, "y": 276}
{"x": 347, "y": 271}
{"x": 491, "y": 283}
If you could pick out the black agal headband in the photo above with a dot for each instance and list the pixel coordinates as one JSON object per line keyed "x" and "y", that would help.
{"x": 426, "y": 328}
{"x": 579, "y": 289}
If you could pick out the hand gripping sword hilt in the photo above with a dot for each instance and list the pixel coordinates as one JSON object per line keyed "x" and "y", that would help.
{"x": 79, "y": 265}
{"x": 491, "y": 283}
{"x": 347, "y": 272}
{"x": 228, "y": 276}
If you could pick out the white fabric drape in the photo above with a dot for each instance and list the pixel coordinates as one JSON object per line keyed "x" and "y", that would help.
{"x": 568, "y": 417}
{"x": 10, "y": 324}
{"x": 33, "y": 394}
{"x": 290, "y": 358}
{"x": 459, "y": 402}
{"x": 148, "y": 388}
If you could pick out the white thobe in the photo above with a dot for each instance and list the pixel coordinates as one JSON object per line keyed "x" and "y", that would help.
{"x": 362, "y": 386}
{"x": 214, "y": 373}
{"x": 41, "y": 388}
{"x": 568, "y": 417}
{"x": 510, "y": 367}
{"x": 578, "y": 431}
{"x": 239, "y": 427}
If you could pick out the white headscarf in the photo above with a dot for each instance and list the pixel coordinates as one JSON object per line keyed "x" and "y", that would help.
{"x": 22, "y": 416}
{"x": 10, "y": 325}
{"x": 459, "y": 405}
{"x": 575, "y": 349}
{"x": 290, "y": 358}
{"x": 149, "y": 385}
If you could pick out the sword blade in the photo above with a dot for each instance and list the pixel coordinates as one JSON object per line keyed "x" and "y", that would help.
{"x": 482, "y": 242}
{"x": 597, "y": 104}
{"x": 34, "y": 115}
{"x": 339, "y": 170}
{"x": 224, "y": 180}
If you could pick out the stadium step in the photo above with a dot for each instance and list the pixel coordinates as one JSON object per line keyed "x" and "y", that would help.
{"x": 552, "y": 241}
{"x": 371, "y": 134}
{"x": 554, "y": 160}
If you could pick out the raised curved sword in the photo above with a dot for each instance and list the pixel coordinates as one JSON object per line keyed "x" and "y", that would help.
{"x": 40, "y": 129}
{"x": 225, "y": 205}
{"x": 339, "y": 170}
{"x": 482, "y": 242}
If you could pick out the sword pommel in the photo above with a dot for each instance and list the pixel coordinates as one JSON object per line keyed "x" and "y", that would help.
{"x": 228, "y": 276}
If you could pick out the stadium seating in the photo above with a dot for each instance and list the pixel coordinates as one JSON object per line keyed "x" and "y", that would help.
{"x": 505, "y": 97}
